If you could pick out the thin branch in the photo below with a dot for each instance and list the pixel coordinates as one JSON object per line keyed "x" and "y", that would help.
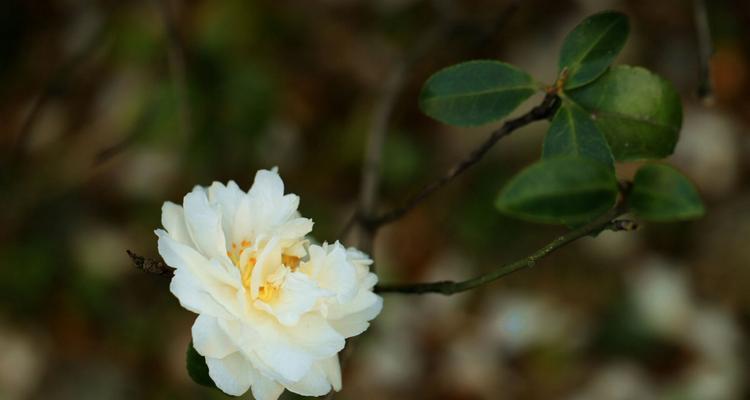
{"x": 177, "y": 63}
{"x": 178, "y": 75}
{"x": 150, "y": 265}
{"x": 384, "y": 108}
{"x": 370, "y": 180}
{"x": 114, "y": 150}
{"x": 353, "y": 219}
{"x": 606, "y": 221}
{"x": 371, "y": 168}
{"x": 705, "y": 50}
{"x": 368, "y": 194}
{"x": 540, "y": 112}
{"x": 55, "y": 86}
{"x": 382, "y": 115}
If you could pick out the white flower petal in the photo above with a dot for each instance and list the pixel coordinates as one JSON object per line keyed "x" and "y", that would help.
{"x": 289, "y": 361}
{"x": 297, "y": 248}
{"x": 267, "y": 184}
{"x": 298, "y": 295}
{"x": 315, "y": 335}
{"x": 368, "y": 281}
{"x": 358, "y": 257}
{"x": 209, "y": 339}
{"x": 204, "y": 224}
{"x": 315, "y": 262}
{"x": 197, "y": 283}
{"x": 261, "y": 366}
{"x": 291, "y": 351}
{"x": 193, "y": 296}
{"x": 363, "y": 300}
{"x": 356, "y": 323}
{"x": 286, "y": 208}
{"x": 232, "y": 374}
{"x": 332, "y": 369}
{"x": 173, "y": 220}
{"x": 243, "y": 335}
{"x": 294, "y": 228}
{"x": 315, "y": 383}
{"x": 268, "y": 260}
{"x": 265, "y": 195}
{"x": 337, "y": 274}
{"x": 226, "y": 199}
{"x": 266, "y": 389}
{"x": 362, "y": 263}
{"x": 243, "y": 223}
{"x": 272, "y": 212}
{"x": 180, "y": 256}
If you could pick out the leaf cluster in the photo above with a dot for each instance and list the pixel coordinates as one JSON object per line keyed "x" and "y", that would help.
{"x": 607, "y": 114}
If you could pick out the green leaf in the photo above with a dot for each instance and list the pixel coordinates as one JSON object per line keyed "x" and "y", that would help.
{"x": 566, "y": 190}
{"x": 197, "y": 368}
{"x": 573, "y": 133}
{"x": 592, "y": 46}
{"x": 475, "y": 92}
{"x": 661, "y": 193}
{"x": 639, "y": 113}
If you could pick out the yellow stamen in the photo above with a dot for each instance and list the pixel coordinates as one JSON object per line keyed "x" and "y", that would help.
{"x": 247, "y": 272}
{"x": 267, "y": 292}
{"x": 270, "y": 289}
{"x": 234, "y": 257}
{"x": 290, "y": 261}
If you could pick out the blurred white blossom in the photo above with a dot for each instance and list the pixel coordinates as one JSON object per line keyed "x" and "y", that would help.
{"x": 519, "y": 321}
{"x": 619, "y": 381}
{"x": 662, "y": 297}
{"x": 709, "y": 151}
{"x": 22, "y": 363}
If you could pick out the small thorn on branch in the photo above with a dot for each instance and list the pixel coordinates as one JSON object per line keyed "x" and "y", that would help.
{"x": 150, "y": 265}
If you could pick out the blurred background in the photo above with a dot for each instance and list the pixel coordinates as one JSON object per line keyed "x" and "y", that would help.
{"x": 109, "y": 108}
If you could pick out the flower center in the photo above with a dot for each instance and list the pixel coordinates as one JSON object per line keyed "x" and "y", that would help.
{"x": 236, "y": 254}
{"x": 268, "y": 292}
{"x": 270, "y": 288}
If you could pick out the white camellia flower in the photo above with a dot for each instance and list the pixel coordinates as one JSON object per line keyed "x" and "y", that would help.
{"x": 273, "y": 310}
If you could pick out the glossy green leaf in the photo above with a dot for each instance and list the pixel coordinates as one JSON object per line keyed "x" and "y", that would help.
{"x": 639, "y": 113}
{"x": 661, "y": 193}
{"x": 566, "y": 190}
{"x": 475, "y": 92}
{"x": 573, "y": 133}
{"x": 197, "y": 368}
{"x": 592, "y": 46}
